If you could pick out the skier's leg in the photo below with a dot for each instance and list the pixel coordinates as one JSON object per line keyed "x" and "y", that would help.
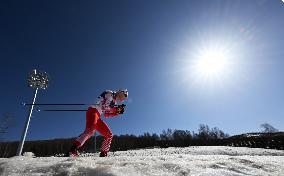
{"x": 92, "y": 116}
{"x": 104, "y": 130}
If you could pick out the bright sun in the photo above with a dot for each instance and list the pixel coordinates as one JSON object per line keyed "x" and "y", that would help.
{"x": 211, "y": 63}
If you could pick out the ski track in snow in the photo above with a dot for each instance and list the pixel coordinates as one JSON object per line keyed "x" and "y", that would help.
{"x": 213, "y": 161}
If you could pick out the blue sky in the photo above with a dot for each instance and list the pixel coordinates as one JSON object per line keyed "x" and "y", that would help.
{"x": 148, "y": 47}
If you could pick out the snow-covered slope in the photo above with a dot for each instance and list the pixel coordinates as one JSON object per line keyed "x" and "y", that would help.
{"x": 171, "y": 161}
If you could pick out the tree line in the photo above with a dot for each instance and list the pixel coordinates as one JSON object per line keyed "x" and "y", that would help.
{"x": 169, "y": 137}
{"x": 205, "y": 136}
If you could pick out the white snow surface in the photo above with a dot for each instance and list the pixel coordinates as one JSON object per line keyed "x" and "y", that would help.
{"x": 201, "y": 160}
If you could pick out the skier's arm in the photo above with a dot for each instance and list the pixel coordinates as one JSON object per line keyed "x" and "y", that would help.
{"x": 108, "y": 115}
{"x": 115, "y": 111}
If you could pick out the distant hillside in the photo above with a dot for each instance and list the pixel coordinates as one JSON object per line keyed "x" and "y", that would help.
{"x": 257, "y": 135}
{"x": 258, "y": 140}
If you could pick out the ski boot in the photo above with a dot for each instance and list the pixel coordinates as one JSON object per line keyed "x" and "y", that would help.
{"x": 103, "y": 154}
{"x": 73, "y": 152}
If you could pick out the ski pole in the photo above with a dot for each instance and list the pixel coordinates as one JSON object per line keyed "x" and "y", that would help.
{"x": 48, "y": 104}
{"x": 39, "y": 110}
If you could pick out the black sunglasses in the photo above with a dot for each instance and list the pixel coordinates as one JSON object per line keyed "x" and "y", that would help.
{"x": 126, "y": 95}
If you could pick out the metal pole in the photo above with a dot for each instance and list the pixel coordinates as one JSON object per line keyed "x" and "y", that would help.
{"x": 39, "y": 110}
{"x": 95, "y": 142}
{"x": 40, "y": 104}
{"x": 20, "y": 147}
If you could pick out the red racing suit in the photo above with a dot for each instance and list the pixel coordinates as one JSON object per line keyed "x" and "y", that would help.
{"x": 104, "y": 106}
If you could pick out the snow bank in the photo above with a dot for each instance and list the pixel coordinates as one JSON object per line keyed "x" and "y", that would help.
{"x": 29, "y": 154}
{"x": 171, "y": 161}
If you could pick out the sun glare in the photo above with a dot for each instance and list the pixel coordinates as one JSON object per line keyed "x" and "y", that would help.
{"x": 211, "y": 63}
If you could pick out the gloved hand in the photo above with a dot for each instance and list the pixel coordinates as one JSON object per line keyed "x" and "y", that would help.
{"x": 120, "y": 109}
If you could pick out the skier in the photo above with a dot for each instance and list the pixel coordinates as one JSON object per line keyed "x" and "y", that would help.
{"x": 107, "y": 106}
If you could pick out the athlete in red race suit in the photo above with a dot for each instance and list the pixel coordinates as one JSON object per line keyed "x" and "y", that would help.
{"x": 107, "y": 106}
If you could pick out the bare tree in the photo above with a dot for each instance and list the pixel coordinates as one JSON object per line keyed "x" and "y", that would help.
{"x": 179, "y": 135}
{"x": 216, "y": 133}
{"x": 167, "y": 135}
{"x": 203, "y": 132}
{"x": 267, "y": 128}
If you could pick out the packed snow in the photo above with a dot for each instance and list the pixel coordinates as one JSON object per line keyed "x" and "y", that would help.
{"x": 205, "y": 160}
